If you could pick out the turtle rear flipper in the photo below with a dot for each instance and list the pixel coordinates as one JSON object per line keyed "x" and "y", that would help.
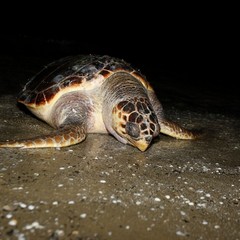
{"x": 173, "y": 129}
{"x": 62, "y": 137}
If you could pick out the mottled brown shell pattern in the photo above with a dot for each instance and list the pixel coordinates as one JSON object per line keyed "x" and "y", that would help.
{"x": 72, "y": 72}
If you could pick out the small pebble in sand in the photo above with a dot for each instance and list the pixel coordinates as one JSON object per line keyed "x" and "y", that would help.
{"x": 205, "y": 169}
{"x": 9, "y": 215}
{"x": 179, "y": 233}
{"x": 183, "y": 213}
{"x": 235, "y": 201}
{"x": 203, "y": 205}
{"x": 102, "y": 181}
{"x": 17, "y": 188}
{"x": 59, "y": 233}
{"x": 156, "y": 199}
{"x": 167, "y": 197}
{"x": 137, "y": 194}
{"x": 190, "y": 203}
{"x": 83, "y": 215}
{"x": 22, "y": 205}
{"x": 35, "y": 225}
{"x": 8, "y": 208}
{"x": 31, "y": 207}
{"x": 12, "y": 222}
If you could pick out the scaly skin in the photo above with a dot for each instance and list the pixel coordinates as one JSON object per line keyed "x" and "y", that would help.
{"x": 128, "y": 113}
{"x": 62, "y": 137}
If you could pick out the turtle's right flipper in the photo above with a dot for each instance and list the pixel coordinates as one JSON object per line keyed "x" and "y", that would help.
{"x": 62, "y": 137}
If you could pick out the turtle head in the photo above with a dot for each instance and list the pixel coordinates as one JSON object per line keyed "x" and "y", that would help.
{"x": 135, "y": 122}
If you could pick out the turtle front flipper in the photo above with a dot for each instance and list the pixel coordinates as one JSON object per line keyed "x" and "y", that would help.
{"x": 167, "y": 126}
{"x": 61, "y": 137}
{"x": 173, "y": 129}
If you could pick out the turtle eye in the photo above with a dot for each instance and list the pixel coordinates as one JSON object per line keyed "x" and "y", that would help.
{"x": 132, "y": 129}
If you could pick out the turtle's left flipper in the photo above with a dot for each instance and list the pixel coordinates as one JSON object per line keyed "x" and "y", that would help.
{"x": 173, "y": 129}
{"x": 167, "y": 126}
{"x": 62, "y": 137}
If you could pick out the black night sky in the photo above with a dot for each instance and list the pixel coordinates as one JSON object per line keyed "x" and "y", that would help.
{"x": 182, "y": 62}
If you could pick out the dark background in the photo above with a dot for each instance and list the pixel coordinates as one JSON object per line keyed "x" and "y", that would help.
{"x": 186, "y": 59}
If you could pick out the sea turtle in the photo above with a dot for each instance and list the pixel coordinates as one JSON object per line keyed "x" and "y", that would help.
{"x": 85, "y": 94}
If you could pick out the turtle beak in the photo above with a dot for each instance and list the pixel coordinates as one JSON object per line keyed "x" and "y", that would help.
{"x": 143, "y": 144}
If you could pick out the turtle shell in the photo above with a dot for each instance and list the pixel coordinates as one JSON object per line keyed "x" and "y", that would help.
{"x": 71, "y": 74}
